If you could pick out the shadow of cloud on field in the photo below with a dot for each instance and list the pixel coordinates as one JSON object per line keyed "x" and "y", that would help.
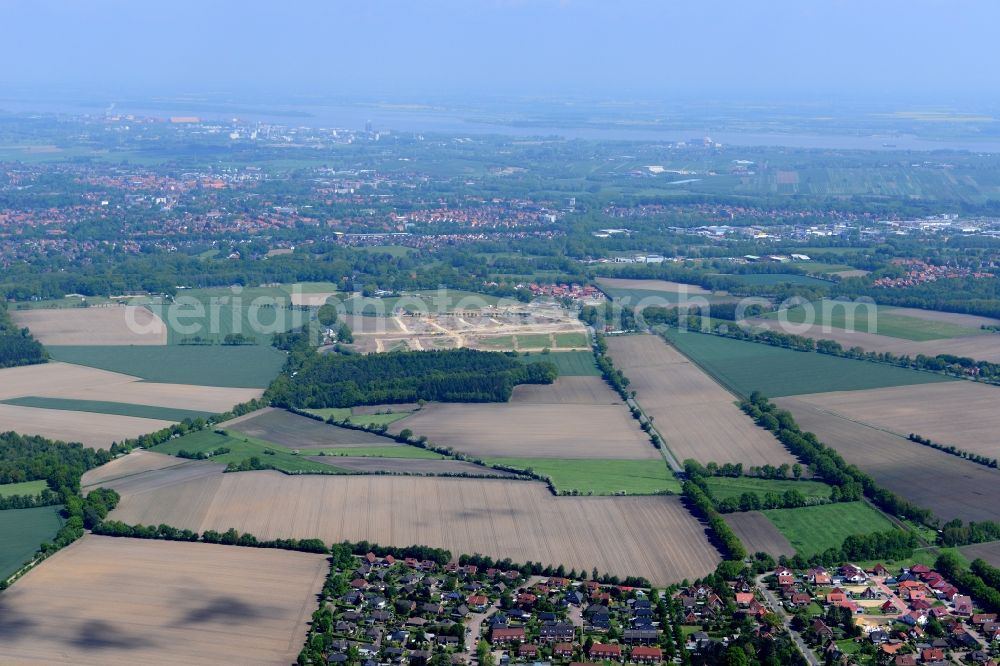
{"x": 224, "y": 609}
{"x": 101, "y": 635}
{"x": 13, "y": 629}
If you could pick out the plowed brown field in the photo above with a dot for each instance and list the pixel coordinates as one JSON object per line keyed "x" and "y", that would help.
{"x": 758, "y": 534}
{"x": 945, "y": 484}
{"x": 648, "y": 536}
{"x": 112, "y": 325}
{"x": 697, "y": 418}
{"x": 114, "y": 601}
{"x": 962, "y": 414}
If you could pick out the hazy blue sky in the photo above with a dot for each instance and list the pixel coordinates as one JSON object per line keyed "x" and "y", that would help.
{"x": 606, "y": 48}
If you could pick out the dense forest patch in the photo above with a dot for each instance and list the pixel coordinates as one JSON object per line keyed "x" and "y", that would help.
{"x": 455, "y": 375}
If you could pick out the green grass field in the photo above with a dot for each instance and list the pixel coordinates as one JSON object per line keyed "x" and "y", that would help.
{"x": 242, "y": 447}
{"x": 237, "y": 367}
{"x": 744, "y": 367}
{"x": 884, "y": 322}
{"x": 813, "y": 529}
{"x": 24, "y": 530}
{"x": 431, "y": 301}
{"x": 404, "y": 451}
{"x": 499, "y": 342}
{"x": 724, "y": 487}
{"x": 69, "y": 302}
{"x": 600, "y": 477}
{"x": 257, "y": 312}
{"x": 23, "y": 488}
{"x": 103, "y": 407}
{"x": 569, "y": 363}
{"x": 651, "y": 297}
{"x": 780, "y": 278}
{"x": 341, "y": 413}
{"x": 534, "y": 341}
{"x": 571, "y": 340}
{"x": 310, "y": 287}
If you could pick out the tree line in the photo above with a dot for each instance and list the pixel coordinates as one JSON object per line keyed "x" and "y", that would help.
{"x": 17, "y": 346}
{"x": 955, "y": 451}
{"x": 825, "y": 462}
{"x": 970, "y": 581}
{"x": 454, "y": 375}
{"x": 949, "y": 364}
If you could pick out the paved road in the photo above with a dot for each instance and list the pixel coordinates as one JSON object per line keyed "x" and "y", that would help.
{"x": 786, "y": 620}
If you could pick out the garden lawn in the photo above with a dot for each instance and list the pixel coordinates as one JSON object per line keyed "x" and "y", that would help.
{"x": 813, "y": 529}
{"x": 600, "y": 477}
{"x": 744, "y": 367}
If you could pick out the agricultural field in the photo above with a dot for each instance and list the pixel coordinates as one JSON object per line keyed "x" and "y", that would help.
{"x": 571, "y": 390}
{"x": 90, "y": 429}
{"x": 928, "y": 332}
{"x": 770, "y": 279}
{"x": 758, "y": 534}
{"x": 643, "y": 293}
{"x": 569, "y": 363}
{"x": 96, "y": 407}
{"x": 813, "y": 529}
{"x": 105, "y": 407}
{"x": 945, "y": 484}
{"x": 240, "y": 448}
{"x": 430, "y": 301}
{"x": 23, "y": 531}
{"x": 744, "y": 367}
{"x": 300, "y": 432}
{"x": 961, "y": 414}
{"x": 135, "y": 462}
{"x": 312, "y": 294}
{"x": 406, "y": 465}
{"x": 882, "y": 320}
{"x": 990, "y": 552}
{"x": 411, "y": 452}
{"x": 97, "y": 325}
{"x": 697, "y": 418}
{"x": 520, "y": 430}
{"x": 600, "y": 477}
{"x": 233, "y": 367}
{"x": 23, "y": 488}
{"x": 116, "y": 601}
{"x": 341, "y": 413}
{"x": 653, "y": 536}
{"x": 725, "y": 487}
{"x": 212, "y": 314}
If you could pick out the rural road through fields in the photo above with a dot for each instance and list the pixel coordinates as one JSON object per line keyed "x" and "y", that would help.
{"x": 786, "y": 621}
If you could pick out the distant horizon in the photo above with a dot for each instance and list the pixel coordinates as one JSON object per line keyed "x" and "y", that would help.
{"x": 642, "y": 49}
